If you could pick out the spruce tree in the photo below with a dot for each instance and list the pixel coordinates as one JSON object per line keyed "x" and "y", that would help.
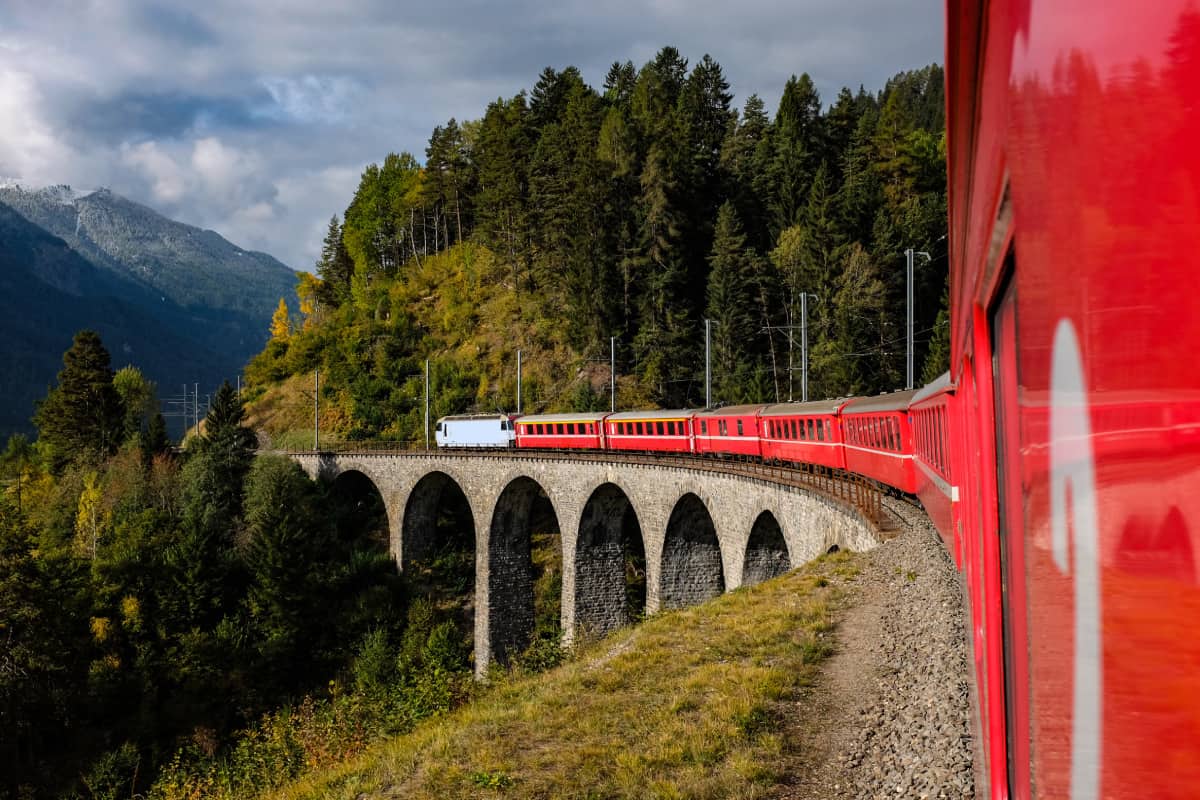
{"x": 222, "y": 456}
{"x": 82, "y": 416}
{"x": 731, "y": 307}
{"x": 335, "y": 268}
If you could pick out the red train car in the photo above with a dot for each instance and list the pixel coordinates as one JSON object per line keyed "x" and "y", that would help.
{"x": 809, "y": 433}
{"x": 733, "y": 430}
{"x": 657, "y": 431}
{"x": 878, "y": 441}
{"x": 1074, "y": 181}
{"x": 570, "y": 431}
{"x": 931, "y": 415}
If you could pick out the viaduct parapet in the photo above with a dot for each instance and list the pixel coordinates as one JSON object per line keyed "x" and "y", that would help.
{"x": 703, "y": 531}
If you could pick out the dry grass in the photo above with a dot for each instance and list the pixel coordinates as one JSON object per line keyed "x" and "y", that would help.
{"x": 682, "y": 706}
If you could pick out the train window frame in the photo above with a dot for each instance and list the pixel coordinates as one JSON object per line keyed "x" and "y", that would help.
{"x": 739, "y": 433}
{"x": 1004, "y": 335}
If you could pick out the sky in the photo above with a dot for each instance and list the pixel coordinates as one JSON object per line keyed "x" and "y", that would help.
{"x": 255, "y": 118}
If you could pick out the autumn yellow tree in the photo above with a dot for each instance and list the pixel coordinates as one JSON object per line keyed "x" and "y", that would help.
{"x": 92, "y": 516}
{"x": 310, "y": 290}
{"x": 281, "y": 324}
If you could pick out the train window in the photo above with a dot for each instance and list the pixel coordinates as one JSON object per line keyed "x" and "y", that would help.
{"x": 658, "y": 428}
{"x": 570, "y": 429}
{"x": 739, "y": 427}
{"x": 820, "y": 430}
{"x": 704, "y": 427}
{"x": 941, "y": 439}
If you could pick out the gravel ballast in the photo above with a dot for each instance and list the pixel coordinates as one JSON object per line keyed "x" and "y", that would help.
{"x": 892, "y": 707}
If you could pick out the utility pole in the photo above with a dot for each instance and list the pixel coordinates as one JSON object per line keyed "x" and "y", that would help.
{"x": 427, "y": 404}
{"x": 196, "y": 406}
{"x": 708, "y": 363}
{"x": 804, "y": 345}
{"x": 909, "y": 254}
{"x": 612, "y": 371}
{"x": 518, "y": 381}
{"x": 239, "y": 386}
{"x": 316, "y": 410}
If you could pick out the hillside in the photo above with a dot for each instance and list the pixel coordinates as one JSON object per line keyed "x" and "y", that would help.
{"x": 202, "y": 286}
{"x": 455, "y": 310}
{"x": 48, "y": 292}
{"x": 686, "y": 704}
{"x": 569, "y": 215}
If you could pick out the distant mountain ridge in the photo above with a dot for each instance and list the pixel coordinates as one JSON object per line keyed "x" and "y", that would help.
{"x": 183, "y": 303}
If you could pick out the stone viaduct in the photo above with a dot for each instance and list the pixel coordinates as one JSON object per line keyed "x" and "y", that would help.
{"x": 704, "y": 530}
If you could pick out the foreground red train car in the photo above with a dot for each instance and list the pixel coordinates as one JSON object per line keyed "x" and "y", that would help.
{"x": 1075, "y": 237}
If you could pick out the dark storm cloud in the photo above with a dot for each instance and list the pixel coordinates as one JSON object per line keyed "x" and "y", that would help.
{"x": 169, "y": 114}
{"x": 256, "y": 119}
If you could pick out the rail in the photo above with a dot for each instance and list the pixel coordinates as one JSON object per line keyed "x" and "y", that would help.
{"x": 847, "y": 488}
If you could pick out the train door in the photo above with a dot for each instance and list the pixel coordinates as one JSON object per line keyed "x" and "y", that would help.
{"x": 1006, "y": 383}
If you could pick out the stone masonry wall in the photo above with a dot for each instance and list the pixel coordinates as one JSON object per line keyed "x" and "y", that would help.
{"x": 586, "y": 497}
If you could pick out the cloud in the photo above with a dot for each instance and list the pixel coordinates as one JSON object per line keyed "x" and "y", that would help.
{"x": 257, "y": 123}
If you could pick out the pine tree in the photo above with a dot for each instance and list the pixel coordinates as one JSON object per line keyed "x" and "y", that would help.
{"x": 502, "y": 158}
{"x": 744, "y": 159}
{"x": 731, "y": 305}
{"x": 937, "y": 359}
{"x": 335, "y": 267}
{"x": 82, "y": 417}
{"x": 222, "y": 455}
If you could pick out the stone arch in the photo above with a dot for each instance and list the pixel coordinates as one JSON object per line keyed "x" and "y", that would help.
{"x": 510, "y": 571}
{"x": 608, "y": 540}
{"x": 766, "y": 551}
{"x": 692, "y": 569}
{"x": 436, "y": 507}
{"x": 362, "y": 504}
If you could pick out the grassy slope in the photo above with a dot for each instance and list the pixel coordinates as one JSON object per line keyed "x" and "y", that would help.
{"x": 682, "y": 706}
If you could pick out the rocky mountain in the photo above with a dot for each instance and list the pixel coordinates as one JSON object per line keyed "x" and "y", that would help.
{"x": 205, "y": 287}
{"x": 48, "y": 291}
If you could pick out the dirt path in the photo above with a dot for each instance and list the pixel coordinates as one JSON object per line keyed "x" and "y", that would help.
{"x": 889, "y": 715}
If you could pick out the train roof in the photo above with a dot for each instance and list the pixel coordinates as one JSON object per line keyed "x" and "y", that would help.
{"x": 470, "y": 417}
{"x": 582, "y": 417}
{"x": 942, "y": 384}
{"x": 894, "y": 401}
{"x": 682, "y": 413}
{"x": 812, "y": 408}
{"x": 744, "y": 410}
